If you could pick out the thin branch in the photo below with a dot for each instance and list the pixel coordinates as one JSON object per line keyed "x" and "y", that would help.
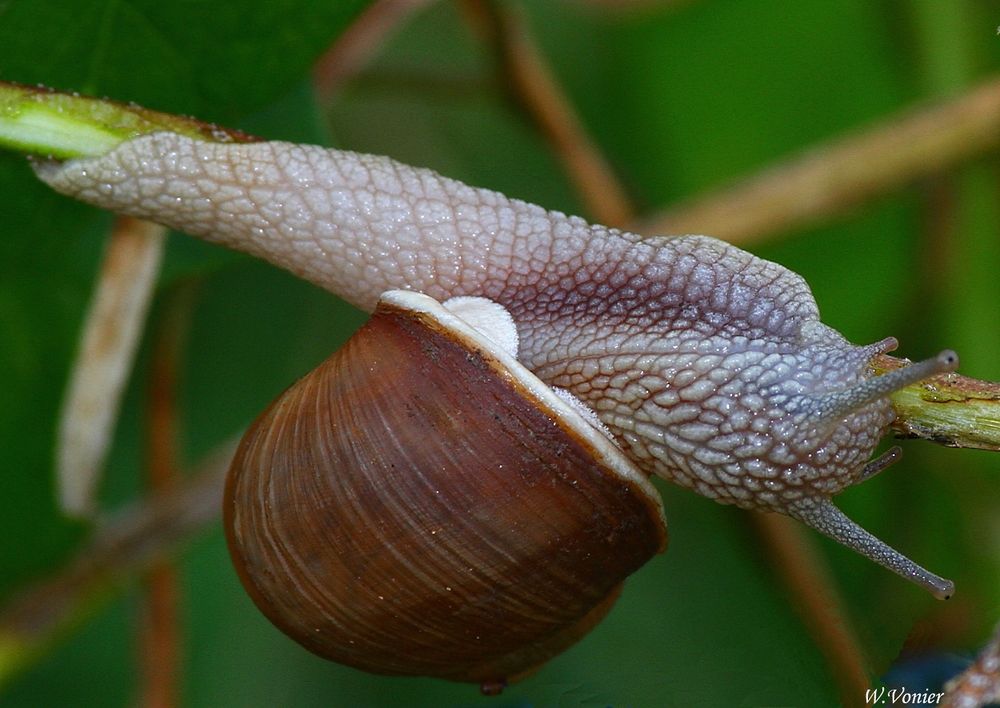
{"x": 979, "y": 685}
{"x": 159, "y": 632}
{"x": 128, "y": 543}
{"x": 159, "y": 639}
{"x": 828, "y": 180}
{"x": 355, "y": 47}
{"x": 812, "y": 591}
{"x": 536, "y": 89}
{"x": 111, "y": 332}
{"x": 948, "y": 409}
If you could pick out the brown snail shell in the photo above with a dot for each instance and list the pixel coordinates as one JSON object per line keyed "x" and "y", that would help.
{"x": 421, "y": 504}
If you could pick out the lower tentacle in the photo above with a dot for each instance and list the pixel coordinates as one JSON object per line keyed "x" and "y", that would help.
{"x": 826, "y": 518}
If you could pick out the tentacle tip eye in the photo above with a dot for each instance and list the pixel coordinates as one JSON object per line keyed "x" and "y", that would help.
{"x": 943, "y": 589}
{"x": 947, "y": 361}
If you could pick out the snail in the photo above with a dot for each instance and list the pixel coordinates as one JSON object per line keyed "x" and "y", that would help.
{"x": 683, "y": 357}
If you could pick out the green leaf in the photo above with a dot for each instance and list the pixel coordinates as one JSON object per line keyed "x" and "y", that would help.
{"x": 216, "y": 60}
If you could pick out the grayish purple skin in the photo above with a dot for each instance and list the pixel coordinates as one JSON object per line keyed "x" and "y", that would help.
{"x": 710, "y": 366}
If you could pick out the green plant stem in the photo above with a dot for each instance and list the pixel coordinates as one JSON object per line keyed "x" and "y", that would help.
{"x": 948, "y": 409}
{"x": 38, "y": 121}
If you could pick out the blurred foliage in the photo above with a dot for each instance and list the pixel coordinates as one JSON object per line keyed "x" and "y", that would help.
{"x": 680, "y": 99}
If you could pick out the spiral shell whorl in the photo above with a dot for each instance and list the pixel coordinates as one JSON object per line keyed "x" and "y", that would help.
{"x": 407, "y": 508}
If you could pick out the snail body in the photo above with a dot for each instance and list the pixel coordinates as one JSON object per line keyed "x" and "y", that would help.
{"x": 708, "y": 366}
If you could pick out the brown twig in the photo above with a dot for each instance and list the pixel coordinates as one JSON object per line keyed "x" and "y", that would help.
{"x": 812, "y": 591}
{"x": 979, "y": 685}
{"x": 108, "y": 343}
{"x": 828, "y": 180}
{"x": 355, "y": 47}
{"x": 535, "y": 88}
{"x": 129, "y": 542}
{"x": 159, "y": 633}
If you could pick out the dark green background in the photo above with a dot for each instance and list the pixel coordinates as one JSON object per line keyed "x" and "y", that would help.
{"x": 681, "y": 100}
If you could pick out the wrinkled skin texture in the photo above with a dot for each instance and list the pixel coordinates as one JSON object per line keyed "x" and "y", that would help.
{"x": 708, "y": 365}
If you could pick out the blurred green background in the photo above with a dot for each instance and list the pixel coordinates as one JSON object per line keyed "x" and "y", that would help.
{"x": 681, "y": 97}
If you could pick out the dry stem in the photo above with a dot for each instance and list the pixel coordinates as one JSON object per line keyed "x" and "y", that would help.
{"x": 355, "y": 47}
{"x": 536, "y": 89}
{"x": 159, "y": 633}
{"x": 110, "y": 336}
{"x": 828, "y": 180}
{"x": 813, "y": 593}
{"x": 130, "y": 541}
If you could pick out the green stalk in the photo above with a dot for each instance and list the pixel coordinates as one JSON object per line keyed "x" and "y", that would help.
{"x": 38, "y": 121}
